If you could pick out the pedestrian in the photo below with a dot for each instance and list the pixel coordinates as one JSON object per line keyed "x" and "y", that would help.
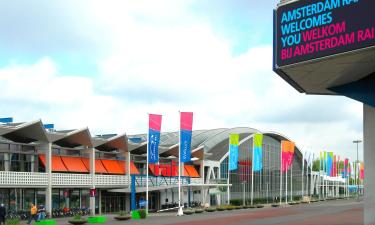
{"x": 3, "y": 213}
{"x": 33, "y": 213}
{"x": 41, "y": 212}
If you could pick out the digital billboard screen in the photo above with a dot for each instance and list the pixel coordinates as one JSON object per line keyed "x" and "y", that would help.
{"x": 311, "y": 29}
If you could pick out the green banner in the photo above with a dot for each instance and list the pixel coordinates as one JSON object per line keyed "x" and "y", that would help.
{"x": 234, "y": 139}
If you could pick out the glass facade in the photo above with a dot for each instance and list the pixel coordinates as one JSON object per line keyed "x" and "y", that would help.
{"x": 266, "y": 182}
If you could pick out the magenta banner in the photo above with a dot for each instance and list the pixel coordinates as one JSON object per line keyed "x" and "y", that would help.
{"x": 311, "y": 29}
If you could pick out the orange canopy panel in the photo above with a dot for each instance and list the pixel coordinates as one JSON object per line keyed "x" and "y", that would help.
{"x": 113, "y": 167}
{"x": 133, "y": 169}
{"x": 99, "y": 168}
{"x": 185, "y": 172}
{"x": 74, "y": 164}
{"x": 192, "y": 171}
{"x": 154, "y": 168}
{"x": 57, "y": 163}
{"x": 122, "y": 165}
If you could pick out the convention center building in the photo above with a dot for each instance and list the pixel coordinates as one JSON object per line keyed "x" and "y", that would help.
{"x": 74, "y": 169}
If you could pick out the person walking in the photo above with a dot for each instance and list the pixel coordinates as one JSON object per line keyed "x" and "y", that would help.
{"x": 3, "y": 213}
{"x": 41, "y": 212}
{"x": 33, "y": 213}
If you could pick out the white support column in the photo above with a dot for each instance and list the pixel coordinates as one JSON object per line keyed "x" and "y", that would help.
{"x": 204, "y": 180}
{"x": 48, "y": 152}
{"x": 369, "y": 157}
{"x": 92, "y": 173}
{"x": 128, "y": 166}
{"x": 6, "y": 161}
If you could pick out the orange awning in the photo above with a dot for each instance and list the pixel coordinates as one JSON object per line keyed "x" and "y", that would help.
{"x": 74, "y": 164}
{"x": 57, "y": 163}
{"x": 185, "y": 172}
{"x": 154, "y": 168}
{"x": 99, "y": 168}
{"x": 192, "y": 171}
{"x": 113, "y": 167}
{"x": 133, "y": 168}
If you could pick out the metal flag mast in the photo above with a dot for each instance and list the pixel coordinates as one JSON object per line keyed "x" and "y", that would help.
{"x": 180, "y": 211}
{"x": 252, "y": 174}
{"x": 303, "y": 170}
{"x": 228, "y": 190}
{"x": 281, "y": 174}
{"x": 147, "y": 146}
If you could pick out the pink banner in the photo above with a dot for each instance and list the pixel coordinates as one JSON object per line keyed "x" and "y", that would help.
{"x": 154, "y": 122}
{"x": 186, "y": 121}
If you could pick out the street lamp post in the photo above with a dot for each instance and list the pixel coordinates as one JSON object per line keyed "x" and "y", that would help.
{"x": 356, "y": 166}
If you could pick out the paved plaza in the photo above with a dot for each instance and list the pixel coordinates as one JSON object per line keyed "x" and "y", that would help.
{"x": 340, "y": 212}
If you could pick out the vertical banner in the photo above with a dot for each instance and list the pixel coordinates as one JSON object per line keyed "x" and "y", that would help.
{"x": 233, "y": 151}
{"x": 334, "y": 165}
{"x": 287, "y": 149}
{"x": 154, "y": 125}
{"x": 257, "y": 152}
{"x": 346, "y": 168}
{"x": 329, "y": 163}
{"x": 362, "y": 171}
{"x": 186, "y": 126}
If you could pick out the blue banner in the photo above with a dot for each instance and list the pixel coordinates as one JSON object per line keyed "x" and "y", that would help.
{"x": 153, "y": 146}
{"x": 49, "y": 126}
{"x": 329, "y": 164}
{"x": 257, "y": 159}
{"x": 6, "y": 120}
{"x": 233, "y": 157}
{"x": 185, "y": 148}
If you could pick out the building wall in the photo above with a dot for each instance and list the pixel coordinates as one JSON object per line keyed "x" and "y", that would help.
{"x": 267, "y": 181}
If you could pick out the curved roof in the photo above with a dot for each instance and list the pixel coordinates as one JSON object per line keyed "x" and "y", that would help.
{"x": 214, "y": 143}
{"x": 33, "y": 132}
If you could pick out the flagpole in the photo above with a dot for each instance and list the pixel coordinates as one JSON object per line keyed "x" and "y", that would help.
{"x": 324, "y": 174}
{"x": 303, "y": 170}
{"x": 320, "y": 175}
{"x": 291, "y": 182}
{"x": 281, "y": 174}
{"x": 311, "y": 176}
{"x": 286, "y": 185}
{"x": 228, "y": 190}
{"x": 148, "y": 133}
{"x": 252, "y": 174}
{"x": 180, "y": 211}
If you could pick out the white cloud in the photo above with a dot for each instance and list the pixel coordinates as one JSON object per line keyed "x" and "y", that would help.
{"x": 162, "y": 59}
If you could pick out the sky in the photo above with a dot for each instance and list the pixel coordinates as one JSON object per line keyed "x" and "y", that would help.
{"x": 106, "y": 64}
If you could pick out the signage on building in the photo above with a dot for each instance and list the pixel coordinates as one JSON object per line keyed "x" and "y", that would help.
{"x": 66, "y": 193}
{"x": 307, "y": 29}
{"x": 92, "y": 192}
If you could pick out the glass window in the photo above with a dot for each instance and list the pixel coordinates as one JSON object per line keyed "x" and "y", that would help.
{"x": 15, "y": 162}
{"x": 28, "y": 148}
{"x": 58, "y": 200}
{"x": 4, "y": 197}
{"x": 29, "y": 197}
{"x": 27, "y": 162}
{"x": 21, "y": 162}
{"x": 4, "y": 146}
{"x": 2, "y": 161}
{"x": 14, "y": 199}
{"x": 14, "y": 147}
{"x": 85, "y": 198}
{"x": 74, "y": 199}
{"x": 41, "y": 197}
